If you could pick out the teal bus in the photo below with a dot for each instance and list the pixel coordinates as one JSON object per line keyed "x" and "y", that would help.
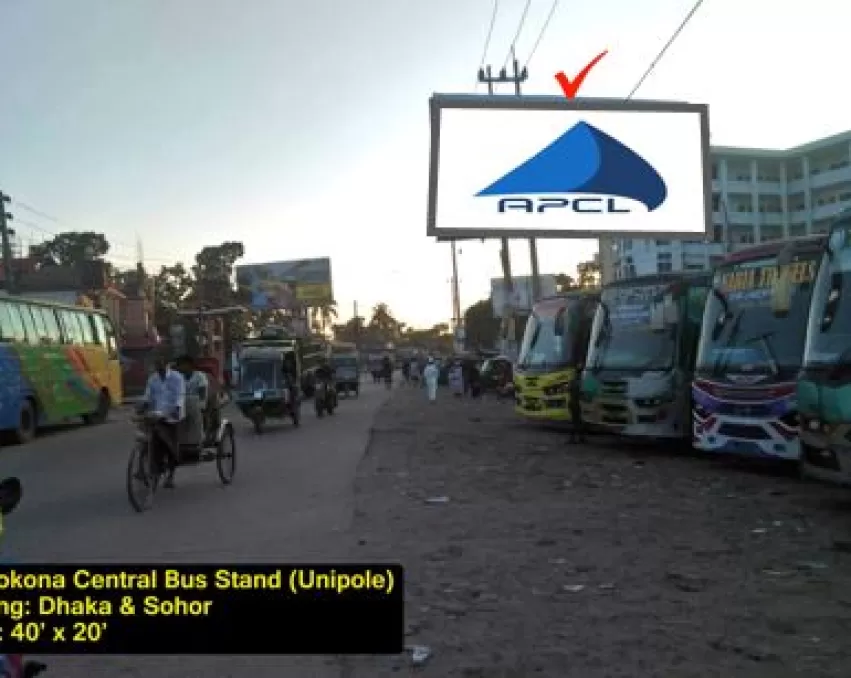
{"x": 642, "y": 354}
{"x": 824, "y": 384}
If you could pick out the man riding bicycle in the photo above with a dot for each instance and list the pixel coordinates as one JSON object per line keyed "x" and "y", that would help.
{"x": 166, "y": 394}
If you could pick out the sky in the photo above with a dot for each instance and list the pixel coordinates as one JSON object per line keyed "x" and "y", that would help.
{"x": 301, "y": 128}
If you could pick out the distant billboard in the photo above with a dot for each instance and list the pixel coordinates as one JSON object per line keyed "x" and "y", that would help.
{"x": 521, "y": 299}
{"x": 287, "y": 284}
{"x": 519, "y": 167}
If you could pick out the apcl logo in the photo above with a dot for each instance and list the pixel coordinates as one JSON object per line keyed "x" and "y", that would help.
{"x": 586, "y": 171}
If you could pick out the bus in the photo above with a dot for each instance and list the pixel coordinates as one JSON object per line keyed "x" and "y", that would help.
{"x": 824, "y": 385}
{"x": 554, "y": 343}
{"x": 642, "y": 354}
{"x": 751, "y": 349}
{"x": 58, "y": 362}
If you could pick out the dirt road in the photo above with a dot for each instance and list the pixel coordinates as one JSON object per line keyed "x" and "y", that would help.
{"x": 529, "y": 557}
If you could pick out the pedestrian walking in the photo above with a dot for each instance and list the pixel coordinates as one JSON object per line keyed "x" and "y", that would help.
{"x": 577, "y": 430}
{"x": 415, "y": 372}
{"x": 456, "y": 379}
{"x": 431, "y": 374}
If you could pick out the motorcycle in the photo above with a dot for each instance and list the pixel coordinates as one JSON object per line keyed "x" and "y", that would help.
{"x": 325, "y": 398}
{"x": 14, "y": 665}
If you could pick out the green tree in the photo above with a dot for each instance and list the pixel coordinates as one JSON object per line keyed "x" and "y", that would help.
{"x": 480, "y": 325}
{"x": 564, "y": 282}
{"x": 72, "y": 247}
{"x": 324, "y": 316}
{"x": 383, "y": 322}
{"x": 171, "y": 287}
{"x": 213, "y": 274}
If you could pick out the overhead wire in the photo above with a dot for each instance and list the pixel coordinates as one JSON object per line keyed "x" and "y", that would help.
{"x": 490, "y": 34}
{"x": 543, "y": 30}
{"x": 56, "y": 220}
{"x": 662, "y": 52}
{"x": 517, "y": 33}
{"x": 41, "y": 229}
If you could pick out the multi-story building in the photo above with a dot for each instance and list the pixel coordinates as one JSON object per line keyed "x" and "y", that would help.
{"x": 758, "y": 195}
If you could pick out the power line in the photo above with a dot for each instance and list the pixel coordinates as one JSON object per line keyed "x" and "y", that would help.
{"x": 543, "y": 30}
{"x": 30, "y": 224}
{"x": 517, "y": 34}
{"x": 36, "y": 212}
{"x": 60, "y": 222}
{"x": 661, "y": 54}
{"x": 41, "y": 229}
{"x": 490, "y": 33}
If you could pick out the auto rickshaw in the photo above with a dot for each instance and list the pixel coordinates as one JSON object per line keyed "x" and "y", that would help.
{"x": 346, "y": 373}
{"x": 269, "y": 385}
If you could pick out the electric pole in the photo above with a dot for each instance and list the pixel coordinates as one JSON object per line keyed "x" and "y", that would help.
{"x": 5, "y": 241}
{"x": 517, "y": 78}
{"x": 356, "y": 323}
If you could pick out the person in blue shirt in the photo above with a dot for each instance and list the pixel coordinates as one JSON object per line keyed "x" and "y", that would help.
{"x": 166, "y": 394}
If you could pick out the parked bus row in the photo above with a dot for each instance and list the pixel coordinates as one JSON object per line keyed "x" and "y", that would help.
{"x": 751, "y": 359}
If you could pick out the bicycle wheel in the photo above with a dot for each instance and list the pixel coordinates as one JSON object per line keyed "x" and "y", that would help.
{"x": 142, "y": 481}
{"x": 226, "y": 457}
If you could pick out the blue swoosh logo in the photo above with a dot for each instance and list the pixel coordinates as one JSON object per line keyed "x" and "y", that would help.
{"x": 585, "y": 160}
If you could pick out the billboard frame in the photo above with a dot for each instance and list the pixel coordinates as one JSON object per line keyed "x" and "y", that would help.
{"x": 504, "y": 102}
{"x": 290, "y": 276}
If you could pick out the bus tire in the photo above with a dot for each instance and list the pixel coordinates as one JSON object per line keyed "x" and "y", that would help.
{"x": 101, "y": 413}
{"x": 27, "y": 420}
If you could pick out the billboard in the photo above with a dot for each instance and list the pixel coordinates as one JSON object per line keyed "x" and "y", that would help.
{"x": 521, "y": 299}
{"x": 520, "y": 167}
{"x": 287, "y": 284}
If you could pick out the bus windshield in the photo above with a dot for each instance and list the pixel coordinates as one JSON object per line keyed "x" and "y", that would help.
{"x": 829, "y": 330}
{"x": 546, "y": 343}
{"x": 623, "y": 337}
{"x": 741, "y": 332}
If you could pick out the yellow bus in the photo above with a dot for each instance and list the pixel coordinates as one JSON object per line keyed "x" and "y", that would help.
{"x": 56, "y": 362}
{"x": 554, "y": 344}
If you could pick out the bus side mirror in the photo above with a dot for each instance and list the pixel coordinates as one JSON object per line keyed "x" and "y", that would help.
{"x": 781, "y": 295}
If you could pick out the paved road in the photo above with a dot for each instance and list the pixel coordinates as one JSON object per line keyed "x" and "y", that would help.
{"x": 291, "y": 501}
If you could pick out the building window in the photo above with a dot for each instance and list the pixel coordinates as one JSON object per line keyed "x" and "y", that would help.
{"x": 664, "y": 266}
{"x": 663, "y": 243}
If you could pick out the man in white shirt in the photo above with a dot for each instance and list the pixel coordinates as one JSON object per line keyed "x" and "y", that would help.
{"x": 166, "y": 393}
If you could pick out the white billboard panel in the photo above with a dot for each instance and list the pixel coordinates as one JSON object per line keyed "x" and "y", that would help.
{"x": 522, "y": 293}
{"x": 506, "y": 166}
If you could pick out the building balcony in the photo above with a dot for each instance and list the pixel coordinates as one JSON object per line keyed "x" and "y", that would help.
{"x": 831, "y": 210}
{"x": 771, "y": 218}
{"x": 821, "y": 179}
{"x": 737, "y": 186}
{"x": 770, "y": 187}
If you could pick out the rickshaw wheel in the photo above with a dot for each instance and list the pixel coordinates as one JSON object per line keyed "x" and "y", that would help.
{"x": 139, "y": 471}
{"x": 226, "y": 457}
